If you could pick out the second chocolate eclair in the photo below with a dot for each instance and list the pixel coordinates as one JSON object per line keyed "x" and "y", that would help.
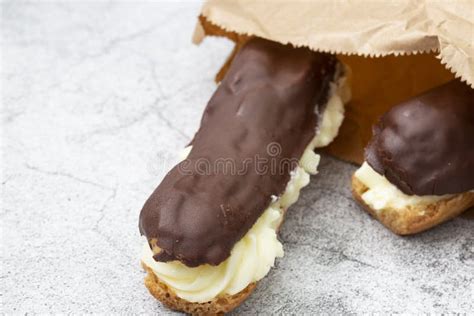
{"x": 419, "y": 165}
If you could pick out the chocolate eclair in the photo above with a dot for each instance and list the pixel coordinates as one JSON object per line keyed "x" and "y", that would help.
{"x": 419, "y": 166}
{"x": 211, "y": 225}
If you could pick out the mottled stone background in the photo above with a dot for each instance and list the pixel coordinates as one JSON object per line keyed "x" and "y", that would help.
{"x": 97, "y": 99}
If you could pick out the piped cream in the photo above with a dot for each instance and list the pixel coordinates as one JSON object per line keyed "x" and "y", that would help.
{"x": 382, "y": 194}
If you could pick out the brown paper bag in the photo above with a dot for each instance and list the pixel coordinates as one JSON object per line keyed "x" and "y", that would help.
{"x": 396, "y": 49}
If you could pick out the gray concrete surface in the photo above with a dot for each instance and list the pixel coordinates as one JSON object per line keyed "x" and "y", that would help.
{"x": 97, "y": 98}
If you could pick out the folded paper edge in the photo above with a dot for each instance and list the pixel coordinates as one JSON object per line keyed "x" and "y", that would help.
{"x": 467, "y": 77}
{"x": 207, "y": 26}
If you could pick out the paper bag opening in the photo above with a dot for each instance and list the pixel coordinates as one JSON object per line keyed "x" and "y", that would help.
{"x": 396, "y": 49}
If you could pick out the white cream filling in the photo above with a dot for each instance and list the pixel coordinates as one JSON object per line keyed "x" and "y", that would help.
{"x": 334, "y": 112}
{"x": 253, "y": 255}
{"x": 382, "y": 194}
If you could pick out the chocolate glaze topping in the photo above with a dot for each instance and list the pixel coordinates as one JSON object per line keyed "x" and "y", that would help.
{"x": 265, "y": 107}
{"x": 425, "y": 146}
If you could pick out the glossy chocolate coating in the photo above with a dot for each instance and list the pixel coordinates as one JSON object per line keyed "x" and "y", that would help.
{"x": 271, "y": 94}
{"x": 425, "y": 146}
